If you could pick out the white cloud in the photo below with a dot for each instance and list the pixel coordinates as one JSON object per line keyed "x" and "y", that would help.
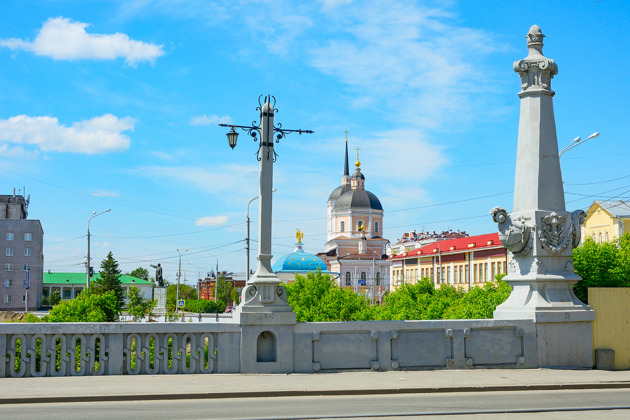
{"x": 211, "y": 221}
{"x": 221, "y": 179}
{"x": 411, "y": 62}
{"x": 62, "y": 39}
{"x": 104, "y": 193}
{"x": 20, "y": 152}
{"x": 210, "y": 119}
{"x": 97, "y": 135}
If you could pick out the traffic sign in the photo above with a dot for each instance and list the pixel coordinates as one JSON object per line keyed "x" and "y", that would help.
{"x": 180, "y": 303}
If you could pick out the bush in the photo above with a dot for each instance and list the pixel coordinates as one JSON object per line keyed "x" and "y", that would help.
{"x": 87, "y": 307}
{"x": 601, "y": 265}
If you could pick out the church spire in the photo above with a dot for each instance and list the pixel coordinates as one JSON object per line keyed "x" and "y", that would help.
{"x": 345, "y": 179}
{"x": 346, "y": 172}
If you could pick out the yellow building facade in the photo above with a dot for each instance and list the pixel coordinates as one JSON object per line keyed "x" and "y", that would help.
{"x": 463, "y": 262}
{"x": 606, "y": 221}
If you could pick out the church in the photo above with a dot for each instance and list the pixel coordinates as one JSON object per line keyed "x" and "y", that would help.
{"x": 355, "y": 247}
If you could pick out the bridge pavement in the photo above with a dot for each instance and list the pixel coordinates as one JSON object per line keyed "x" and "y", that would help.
{"x": 173, "y": 387}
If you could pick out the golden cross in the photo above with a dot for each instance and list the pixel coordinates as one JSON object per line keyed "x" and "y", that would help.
{"x": 357, "y": 149}
{"x": 346, "y": 135}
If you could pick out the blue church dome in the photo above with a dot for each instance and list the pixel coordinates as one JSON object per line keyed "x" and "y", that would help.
{"x": 299, "y": 262}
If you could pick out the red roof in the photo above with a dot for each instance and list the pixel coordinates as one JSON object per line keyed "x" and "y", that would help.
{"x": 452, "y": 246}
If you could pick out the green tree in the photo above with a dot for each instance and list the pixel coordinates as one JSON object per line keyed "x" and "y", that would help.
{"x": 54, "y": 298}
{"x": 601, "y": 265}
{"x": 316, "y": 298}
{"x": 140, "y": 273}
{"x": 87, "y": 307}
{"x": 224, "y": 290}
{"x": 109, "y": 279}
{"x": 138, "y": 306}
{"x": 185, "y": 292}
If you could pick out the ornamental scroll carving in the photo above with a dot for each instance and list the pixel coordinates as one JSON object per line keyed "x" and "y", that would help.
{"x": 515, "y": 236}
{"x": 536, "y": 70}
{"x": 577, "y": 220}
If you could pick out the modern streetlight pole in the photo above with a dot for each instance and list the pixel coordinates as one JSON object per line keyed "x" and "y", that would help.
{"x": 264, "y": 290}
{"x": 216, "y": 285}
{"x": 179, "y": 275}
{"x": 88, "y": 265}
{"x": 576, "y": 142}
{"x": 247, "y": 248}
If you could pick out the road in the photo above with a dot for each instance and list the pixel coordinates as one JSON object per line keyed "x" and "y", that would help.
{"x": 573, "y": 404}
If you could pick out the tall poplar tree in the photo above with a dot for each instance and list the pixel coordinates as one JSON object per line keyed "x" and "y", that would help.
{"x": 109, "y": 278}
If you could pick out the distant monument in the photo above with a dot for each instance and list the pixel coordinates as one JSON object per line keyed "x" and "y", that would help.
{"x": 539, "y": 233}
{"x": 159, "y": 292}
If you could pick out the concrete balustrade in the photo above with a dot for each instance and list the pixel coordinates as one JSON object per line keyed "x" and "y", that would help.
{"x": 74, "y": 349}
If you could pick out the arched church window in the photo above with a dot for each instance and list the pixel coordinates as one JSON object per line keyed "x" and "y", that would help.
{"x": 363, "y": 280}
{"x": 342, "y": 227}
{"x": 606, "y": 236}
{"x": 375, "y": 226}
{"x": 600, "y": 237}
{"x": 378, "y": 279}
{"x": 348, "y": 278}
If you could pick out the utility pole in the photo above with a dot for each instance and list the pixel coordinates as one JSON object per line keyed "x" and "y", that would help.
{"x": 179, "y": 274}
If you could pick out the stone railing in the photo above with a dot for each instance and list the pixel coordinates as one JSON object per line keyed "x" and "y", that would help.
{"x": 74, "y": 349}
{"x": 408, "y": 345}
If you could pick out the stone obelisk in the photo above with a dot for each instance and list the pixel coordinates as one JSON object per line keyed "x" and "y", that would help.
{"x": 539, "y": 233}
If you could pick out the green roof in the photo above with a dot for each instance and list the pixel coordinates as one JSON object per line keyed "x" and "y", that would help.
{"x": 79, "y": 278}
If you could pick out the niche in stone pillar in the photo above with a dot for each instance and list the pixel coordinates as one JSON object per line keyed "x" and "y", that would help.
{"x": 266, "y": 347}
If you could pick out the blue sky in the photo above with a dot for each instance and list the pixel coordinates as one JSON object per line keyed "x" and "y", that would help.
{"x": 115, "y": 104}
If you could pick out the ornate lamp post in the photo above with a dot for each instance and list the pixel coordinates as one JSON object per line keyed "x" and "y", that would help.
{"x": 263, "y": 292}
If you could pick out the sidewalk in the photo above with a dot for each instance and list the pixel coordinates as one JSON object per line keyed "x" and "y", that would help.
{"x": 160, "y": 387}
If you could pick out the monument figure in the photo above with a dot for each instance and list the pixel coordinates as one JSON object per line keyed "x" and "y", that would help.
{"x": 158, "y": 275}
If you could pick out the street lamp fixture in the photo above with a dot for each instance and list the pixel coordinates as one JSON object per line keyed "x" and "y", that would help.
{"x": 232, "y": 137}
{"x": 88, "y": 267}
{"x": 264, "y": 291}
{"x": 576, "y": 142}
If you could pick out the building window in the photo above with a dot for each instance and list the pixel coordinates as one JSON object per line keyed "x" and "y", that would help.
{"x": 7, "y": 298}
{"x": 8, "y": 283}
{"x": 359, "y": 224}
{"x": 600, "y": 238}
{"x": 342, "y": 226}
{"x": 27, "y": 252}
{"x": 375, "y": 226}
{"x": 348, "y": 277}
{"x": 9, "y": 252}
{"x": 363, "y": 280}
{"x": 8, "y": 267}
{"x": 28, "y": 236}
{"x": 606, "y": 236}
{"x": 9, "y": 236}
{"x": 67, "y": 294}
{"x": 27, "y": 267}
{"x": 378, "y": 279}
{"x": 23, "y": 298}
